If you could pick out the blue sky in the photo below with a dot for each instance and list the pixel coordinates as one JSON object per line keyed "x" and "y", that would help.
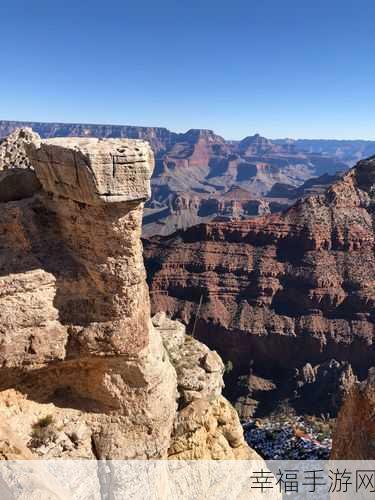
{"x": 283, "y": 68}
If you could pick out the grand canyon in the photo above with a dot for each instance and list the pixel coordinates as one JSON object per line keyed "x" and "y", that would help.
{"x": 199, "y": 176}
{"x": 267, "y": 306}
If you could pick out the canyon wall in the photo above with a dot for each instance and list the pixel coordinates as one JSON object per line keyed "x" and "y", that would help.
{"x": 278, "y": 292}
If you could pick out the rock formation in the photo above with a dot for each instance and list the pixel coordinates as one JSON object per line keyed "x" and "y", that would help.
{"x": 74, "y": 309}
{"x": 278, "y": 291}
{"x": 83, "y": 371}
{"x": 17, "y": 179}
{"x": 354, "y": 437}
{"x": 206, "y": 427}
{"x": 212, "y": 176}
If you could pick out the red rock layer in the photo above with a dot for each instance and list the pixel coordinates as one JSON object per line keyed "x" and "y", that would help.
{"x": 281, "y": 290}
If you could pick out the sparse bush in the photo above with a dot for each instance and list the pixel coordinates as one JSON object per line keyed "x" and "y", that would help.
{"x": 43, "y": 422}
{"x": 43, "y": 431}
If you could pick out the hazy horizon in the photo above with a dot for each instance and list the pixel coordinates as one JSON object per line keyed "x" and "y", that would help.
{"x": 182, "y": 131}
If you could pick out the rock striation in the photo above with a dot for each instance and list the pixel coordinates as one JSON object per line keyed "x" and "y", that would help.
{"x": 278, "y": 291}
{"x": 83, "y": 371}
{"x": 354, "y": 437}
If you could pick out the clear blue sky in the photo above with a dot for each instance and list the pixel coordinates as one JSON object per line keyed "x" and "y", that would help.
{"x": 296, "y": 68}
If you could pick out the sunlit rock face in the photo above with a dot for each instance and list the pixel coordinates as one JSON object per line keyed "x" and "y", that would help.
{"x": 84, "y": 373}
{"x": 74, "y": 309}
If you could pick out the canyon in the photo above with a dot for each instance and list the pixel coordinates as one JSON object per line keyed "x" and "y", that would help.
{"x": 286, "y": 299}
{"x": 199, "y": 176}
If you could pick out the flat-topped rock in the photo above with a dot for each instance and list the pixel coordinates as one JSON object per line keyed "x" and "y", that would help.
{"x": 94, "y": 171}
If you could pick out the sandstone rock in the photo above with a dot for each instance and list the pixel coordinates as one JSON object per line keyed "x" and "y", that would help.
{"x": 16, "y": 184}
{"x": 308, "y": 374}
{"x": 11, "y": 445}
{"x": 173, "y": 333}
{"x": 206, "y": 425}
{"x": 84, "y": 372}
{"x": 208, "y": 430}
{"x": 94, "y": 171}
{"x": 199, "y": 370}
{"x": 354, "y": 437}
{"x": 76, "y": 334}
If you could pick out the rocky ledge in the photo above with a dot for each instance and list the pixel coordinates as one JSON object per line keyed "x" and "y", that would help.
{"x": 83, "y": 370}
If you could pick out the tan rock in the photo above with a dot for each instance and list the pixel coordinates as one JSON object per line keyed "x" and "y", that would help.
{"x": 74, "y": 308}
{"x": 13, "y": 149}
{"x": 354, "y": 437}
{"x": 206, "y": 425}
{"x": 18, "y": 183}
{"x": 94, "y": 171}
{"x": 199, "y": 370}
{"x": 84, "y": 372}
{"x": 208, "y": 430}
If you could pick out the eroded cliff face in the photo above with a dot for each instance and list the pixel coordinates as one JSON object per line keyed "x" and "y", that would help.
{"x": 74, "y": 309}
{"x": 83, "y": 371}
{"x": 278, "y": 291}
{"x": 354, "y": 437}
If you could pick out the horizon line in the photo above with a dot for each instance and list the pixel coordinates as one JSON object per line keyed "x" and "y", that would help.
{"x": 183, "y": 132}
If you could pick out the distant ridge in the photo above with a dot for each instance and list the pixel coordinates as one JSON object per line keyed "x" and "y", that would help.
{"x": 200, "y": 176}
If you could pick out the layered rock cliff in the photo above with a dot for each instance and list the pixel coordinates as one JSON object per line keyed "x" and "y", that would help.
{"x": 83, "y": 371}
{"x": 277, "y": 292}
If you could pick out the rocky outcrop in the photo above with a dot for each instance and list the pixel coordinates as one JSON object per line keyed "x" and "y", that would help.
{"x": 354, "y": 437}
{"x": 76, "y": 337}
{"x": 13, "y": 149}
{"x": 280, "y": 290}
{"x": 322, "y": 389}
{"x": 17, "y": 178}
{"x": 199, "y": 370}
{"x": 206, "y": 425}
{"x": 83, "y": 371}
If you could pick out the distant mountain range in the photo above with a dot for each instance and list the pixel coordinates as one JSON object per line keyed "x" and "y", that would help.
{"x": 199, "y": 176}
